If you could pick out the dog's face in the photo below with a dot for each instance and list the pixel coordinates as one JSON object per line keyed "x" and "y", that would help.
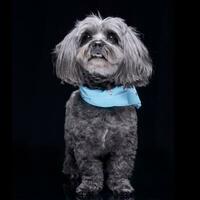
{"x": 105, "y": 47}
{"x": 99, "y": 46}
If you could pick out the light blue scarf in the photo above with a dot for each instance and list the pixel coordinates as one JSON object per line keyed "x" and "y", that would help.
{"x": 118, "y": 96}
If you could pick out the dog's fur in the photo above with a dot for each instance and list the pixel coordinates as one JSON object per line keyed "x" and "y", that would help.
{"x": 101, "y": 138}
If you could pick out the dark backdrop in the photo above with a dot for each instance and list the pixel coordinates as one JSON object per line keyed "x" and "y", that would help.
{"x": 38, "y": 103}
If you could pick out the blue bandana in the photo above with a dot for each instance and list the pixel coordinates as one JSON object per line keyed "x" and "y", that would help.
{"x": 118, "y": 96}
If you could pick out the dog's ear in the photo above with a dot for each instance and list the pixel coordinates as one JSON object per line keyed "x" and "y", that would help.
{"x": 65, "y": 63}
{"x": 137, "y": 65}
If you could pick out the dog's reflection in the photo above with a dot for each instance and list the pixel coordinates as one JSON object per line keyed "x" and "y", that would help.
{"x": 106, "y": 195}
{"x": 121, "y": 198}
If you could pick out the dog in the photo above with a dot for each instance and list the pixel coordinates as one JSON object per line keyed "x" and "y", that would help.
{"x": 106, "y": 59}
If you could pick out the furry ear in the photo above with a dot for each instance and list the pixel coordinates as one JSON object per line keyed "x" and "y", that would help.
{"x": 65, "y": 62}
{"x": 137, "y": 67}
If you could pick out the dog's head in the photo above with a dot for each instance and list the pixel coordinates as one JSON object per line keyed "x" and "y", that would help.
{"x": 105, "y": 47}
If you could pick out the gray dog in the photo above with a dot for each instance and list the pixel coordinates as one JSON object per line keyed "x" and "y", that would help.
{"x": 103, "y": 57}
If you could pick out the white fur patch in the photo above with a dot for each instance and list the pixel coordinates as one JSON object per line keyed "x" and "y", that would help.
{"x": 99, "y": 67}
{"x": 104, "y": 138}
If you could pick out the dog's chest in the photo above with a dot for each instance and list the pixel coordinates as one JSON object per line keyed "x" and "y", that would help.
{"x": 105, "y": 139}
{"x": 98, "y": 128}
{"x": 105, "y": 128}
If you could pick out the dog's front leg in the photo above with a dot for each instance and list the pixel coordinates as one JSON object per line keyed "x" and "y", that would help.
{"x": 120, "y": 167}
{"x": 91, "y": 170}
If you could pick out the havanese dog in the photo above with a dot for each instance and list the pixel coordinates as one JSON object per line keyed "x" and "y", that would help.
{"x": 106, "y": 59}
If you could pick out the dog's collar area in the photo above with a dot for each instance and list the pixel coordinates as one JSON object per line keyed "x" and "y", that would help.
{"x": 118, "y": 96}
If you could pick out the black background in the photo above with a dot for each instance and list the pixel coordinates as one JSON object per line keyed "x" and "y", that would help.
{"x": 38, "y": 98}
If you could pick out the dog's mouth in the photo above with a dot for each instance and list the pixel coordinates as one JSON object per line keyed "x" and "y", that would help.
{"x": 97, "y": 56}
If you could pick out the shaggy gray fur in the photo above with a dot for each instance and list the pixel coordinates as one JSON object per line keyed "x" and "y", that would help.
{"x": 101, "y": 140}
{"x": 90, "y": 134}
{"x": 133, "y": 67}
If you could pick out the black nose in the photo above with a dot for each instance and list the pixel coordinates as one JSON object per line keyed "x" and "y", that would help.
{"x": 97, "y": 47}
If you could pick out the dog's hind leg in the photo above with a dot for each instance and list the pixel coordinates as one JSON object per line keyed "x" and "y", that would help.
{"x": 70, "y": 168}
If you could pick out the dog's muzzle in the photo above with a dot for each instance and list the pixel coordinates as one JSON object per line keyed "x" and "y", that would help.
{"x": 97, "y": 49}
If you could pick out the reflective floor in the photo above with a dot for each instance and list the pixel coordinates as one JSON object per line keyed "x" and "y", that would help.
{"x": 37, "y": 176}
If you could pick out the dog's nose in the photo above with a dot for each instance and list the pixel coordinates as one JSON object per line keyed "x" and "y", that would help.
{"x": 97, "y": 47}
{"x": 97, "y": 44}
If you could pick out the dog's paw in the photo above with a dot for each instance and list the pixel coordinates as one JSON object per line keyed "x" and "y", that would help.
{"x": 121, "y": 187}
{"x": 88, "y": 188}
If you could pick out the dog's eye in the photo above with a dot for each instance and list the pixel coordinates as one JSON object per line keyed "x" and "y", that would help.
{"x": 112, "y": 37}
{"x": 85, "y": 38}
